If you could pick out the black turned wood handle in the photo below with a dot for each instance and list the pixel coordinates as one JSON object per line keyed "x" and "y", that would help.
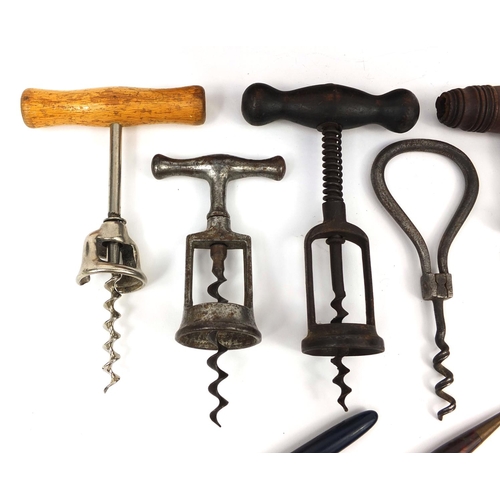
{"x": 314, "y": 106}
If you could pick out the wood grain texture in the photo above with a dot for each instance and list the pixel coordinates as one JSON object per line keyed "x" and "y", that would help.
{"x": 101, "y": 107}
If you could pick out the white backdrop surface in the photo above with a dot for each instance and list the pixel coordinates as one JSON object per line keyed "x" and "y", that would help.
{"x": 150, "y": 435}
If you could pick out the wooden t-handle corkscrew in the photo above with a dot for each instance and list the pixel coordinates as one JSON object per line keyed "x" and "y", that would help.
{"x": 329, "y": 108}
{"x": 110, "y": 249}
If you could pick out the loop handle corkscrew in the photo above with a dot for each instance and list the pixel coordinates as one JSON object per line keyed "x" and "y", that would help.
{"x": 436, "y": 287}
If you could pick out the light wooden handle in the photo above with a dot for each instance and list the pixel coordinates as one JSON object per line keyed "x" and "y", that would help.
{"x": 103, "y": 106}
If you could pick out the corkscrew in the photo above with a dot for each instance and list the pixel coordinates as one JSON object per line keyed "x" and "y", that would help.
{"x": 330, "y": 108}
{"x": 436, "y": 287}
{"x": 110, "y": 249}
{"x": 220, "y": 325}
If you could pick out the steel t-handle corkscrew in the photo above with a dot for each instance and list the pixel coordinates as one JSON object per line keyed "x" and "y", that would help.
{"x": 110, "y": 249}
{"x": 330, "y": 108}
{"x": 220, "y": 325}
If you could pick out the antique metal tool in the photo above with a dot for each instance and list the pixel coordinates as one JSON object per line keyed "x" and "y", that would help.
{"x": 330, "y": 108}
{"x": 220, "y": 325}
{"x": 110, "y": 249}
{"x": 436, "y": 287}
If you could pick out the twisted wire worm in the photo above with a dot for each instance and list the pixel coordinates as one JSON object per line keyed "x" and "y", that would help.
{"x": 109, "y": 326}
{"x": 439, "y": 358}
{"x": 213, "y": 388}
{"x": 218, "y": 253}
{"x": 337, "y": 273}
{"x": 339, "y": 380}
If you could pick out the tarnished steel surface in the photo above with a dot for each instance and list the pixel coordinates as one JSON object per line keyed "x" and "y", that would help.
{"x": 436, "y": 287}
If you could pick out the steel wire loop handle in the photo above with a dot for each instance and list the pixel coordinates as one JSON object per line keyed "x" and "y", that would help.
{"x": 435, "y": 286}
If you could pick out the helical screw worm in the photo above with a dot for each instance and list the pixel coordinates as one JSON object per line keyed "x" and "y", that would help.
{"x": 339, "y": 380}
{"x": 218, "y": 253}
{"x": 109, "y": 326}
{"x": 213, "y": 388}
{"x": 440, "y": 357}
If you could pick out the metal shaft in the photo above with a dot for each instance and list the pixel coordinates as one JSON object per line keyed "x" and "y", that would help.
{"x": 115, "y": 177}
{"x": 115, "y": 170}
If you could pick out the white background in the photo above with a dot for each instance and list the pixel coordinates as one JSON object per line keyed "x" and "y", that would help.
{"x": 150, "y": 435}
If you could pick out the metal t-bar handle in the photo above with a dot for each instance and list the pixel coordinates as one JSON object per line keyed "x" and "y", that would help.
{"x": 218, "y": 170}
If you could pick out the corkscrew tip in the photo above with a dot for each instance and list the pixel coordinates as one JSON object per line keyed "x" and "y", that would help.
{"x": 113, "y": 382}
{"x": 213, "y": 418}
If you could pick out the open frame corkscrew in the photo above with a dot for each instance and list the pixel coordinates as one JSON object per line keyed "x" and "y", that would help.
{"x": 436, "y": 287}
{"x": 331, "y": 108}
{"x": 220, "y": 325}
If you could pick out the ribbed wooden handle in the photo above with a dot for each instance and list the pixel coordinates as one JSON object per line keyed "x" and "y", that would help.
{"x": 103, "y": 106}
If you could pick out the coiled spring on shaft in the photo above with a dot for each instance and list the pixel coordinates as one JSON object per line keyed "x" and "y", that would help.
{"x": 332, "y": 162}
{"x": 109, "y": 326}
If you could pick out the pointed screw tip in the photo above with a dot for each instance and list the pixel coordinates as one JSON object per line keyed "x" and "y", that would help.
{"x": 343, "y": 406}
{"x": 215, "y": 421}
